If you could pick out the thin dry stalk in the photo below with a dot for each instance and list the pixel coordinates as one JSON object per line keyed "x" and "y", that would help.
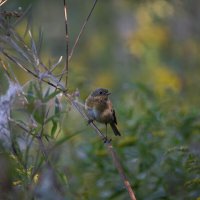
{"x": 67, "y": 43}
{"x": 81, "y": 31}
{"x": 118, "y": 165}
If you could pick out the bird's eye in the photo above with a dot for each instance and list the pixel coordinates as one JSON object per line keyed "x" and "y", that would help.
{"x": 100, "y": 92}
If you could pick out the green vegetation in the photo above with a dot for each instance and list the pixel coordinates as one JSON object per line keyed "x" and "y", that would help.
{"x": 147, "y": 54}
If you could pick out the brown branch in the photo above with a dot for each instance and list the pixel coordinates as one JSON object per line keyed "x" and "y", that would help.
{"x": 2, "y": 2}
{"x": 10, "y": 14}
{"x": 67, "y": 43}
{"x": 81, "y": 31}
{"x": 66, "y": 67}
{"x": 120, "y": 170}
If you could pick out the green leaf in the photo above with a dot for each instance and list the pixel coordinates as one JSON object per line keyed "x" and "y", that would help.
{"x": 65, "y": 138}
{"x": 30, "y": 95}
{"x": 128, "y": 141}
{"x": 50, "y": 96}
{"x": 57, "y": 106}
{"x": 38, "y": 91}
{"x": 47, "y": 93}
{"x": 54, "y": 117}
{"x": 4, "y": 82}
{"x": 54, "y": 128}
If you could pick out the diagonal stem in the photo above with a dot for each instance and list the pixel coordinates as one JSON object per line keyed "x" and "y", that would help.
{"x": 66, "y": 68}
{"x": 81, "y": 31}
{"x": 119, "y": 167}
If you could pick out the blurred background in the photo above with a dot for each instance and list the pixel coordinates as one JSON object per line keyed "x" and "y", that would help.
{"x": 147, "y": 54}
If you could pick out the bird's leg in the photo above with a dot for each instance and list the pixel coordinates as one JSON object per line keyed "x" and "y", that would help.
{"x": 106, "y": 138}
{"x": 106, "y": 131}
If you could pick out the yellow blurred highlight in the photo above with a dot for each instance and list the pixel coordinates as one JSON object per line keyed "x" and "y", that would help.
{"x": 15, "y": 183}
{"x": 127, "y": 141}
{"x": 146, "y": 13}
{"x": 160, "y": 133}
{"x": 100, "y": 153}
{"x": 164, "y": 78}
{"x": 150, "y": 36}
{"x": 149, "y": 33}
{"x": 36, "y": 178}
{"x": 143, "y": 17}
{"x": 161, "y": 8}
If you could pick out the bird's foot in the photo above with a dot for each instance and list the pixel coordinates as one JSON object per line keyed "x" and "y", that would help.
{"x": 90, "y": 121}
{"x": 106, "y": 140}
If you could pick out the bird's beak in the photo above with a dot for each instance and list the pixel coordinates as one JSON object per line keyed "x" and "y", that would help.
{"x": 108, "y": 93}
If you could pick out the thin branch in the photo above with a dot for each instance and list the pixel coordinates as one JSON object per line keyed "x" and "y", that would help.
{"x": 81, "y": 31}
{"x": 32, "y": 73}
{"x": 10, "y": 14}
{"x": 2, "y": 2}
{"x": 67, "y": 43}
{"x": 55, "y": 64}
{"x": 43, "y": 150}
{"x": 118, "y": 165}
{"x": 66, "y": 67}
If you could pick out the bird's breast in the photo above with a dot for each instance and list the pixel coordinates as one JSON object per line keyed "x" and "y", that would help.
{"x": 100, "y": 109}
{"x": 105, "y": 116}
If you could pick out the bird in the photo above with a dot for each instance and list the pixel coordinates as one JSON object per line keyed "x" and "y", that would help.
{"x": 99, "y": 108}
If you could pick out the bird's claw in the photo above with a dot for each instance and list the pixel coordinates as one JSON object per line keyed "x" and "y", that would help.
{"x": 90, "y": 121}
{"x": 106, "y": 140}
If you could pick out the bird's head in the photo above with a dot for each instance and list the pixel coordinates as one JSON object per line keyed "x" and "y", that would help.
{"x": 100, "y": 92}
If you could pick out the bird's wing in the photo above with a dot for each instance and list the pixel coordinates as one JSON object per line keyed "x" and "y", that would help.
{"x": 114, "y": 116}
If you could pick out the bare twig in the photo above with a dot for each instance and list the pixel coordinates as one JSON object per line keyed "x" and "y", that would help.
{"x": 2, "y": 2}
{"x": 67, "y": 43}
{"x": 120, "y": 170}
{"x": 81, "y": 31}
{"x": 66, "y": 67}
{"x": 61, "y": 88}
{"x": 43, "y": 150}
{"x": 10, "y": 14}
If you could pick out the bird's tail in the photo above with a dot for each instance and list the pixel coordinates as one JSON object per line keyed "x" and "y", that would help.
{"x": 115, "y": 130}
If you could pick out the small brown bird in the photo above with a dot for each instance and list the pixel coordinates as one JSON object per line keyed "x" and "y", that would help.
{"x": 99, "y": 108}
